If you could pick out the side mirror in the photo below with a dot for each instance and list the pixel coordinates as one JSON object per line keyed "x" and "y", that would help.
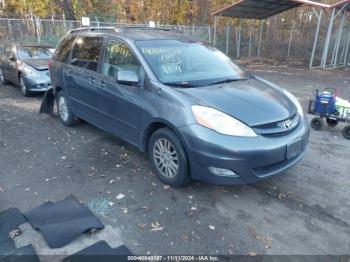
{"x": 128, "y": 77}
{"x": 12, "y": 59}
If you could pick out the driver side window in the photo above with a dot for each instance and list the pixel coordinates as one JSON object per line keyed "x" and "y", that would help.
{"x": 118, "y": 57}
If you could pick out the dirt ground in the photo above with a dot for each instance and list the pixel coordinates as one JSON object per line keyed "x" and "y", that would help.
{"x": 305, "y": 211}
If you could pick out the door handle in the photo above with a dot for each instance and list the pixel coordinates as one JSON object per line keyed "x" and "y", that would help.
{"x": 102, "y": 84}
{"x": 92, "y": 80}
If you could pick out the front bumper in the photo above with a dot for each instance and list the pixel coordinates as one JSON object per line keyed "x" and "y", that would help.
{"x": 252, "y": 159}
{"x": 37, "y": 84}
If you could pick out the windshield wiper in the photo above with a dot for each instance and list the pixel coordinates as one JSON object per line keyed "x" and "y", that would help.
{"x": 228, "y": 80}
{"x": 179, "y": 84}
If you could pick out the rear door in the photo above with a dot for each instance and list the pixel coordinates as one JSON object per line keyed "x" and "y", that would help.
{"x": 80, "y": 76}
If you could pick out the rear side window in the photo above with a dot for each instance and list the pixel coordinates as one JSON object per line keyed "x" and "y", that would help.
{"x": 62, "y": 51}
{"x": 86, "y": 52}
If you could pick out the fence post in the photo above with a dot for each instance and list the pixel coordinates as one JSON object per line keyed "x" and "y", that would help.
{"x": 316, "y": 38}
{"x": 215, "y": 25}
{"x": 290, "y": 40}
{"x": 328, "y": 39}
{"x": 209, "y": 34}
{"x": 346, "y": 52}
{"x": 227, "y": 36}
{"x": 37, "y": 29}
{"x": 250, "y": 40}
{"x": 239, "y": 40}
{"x": 260, "y": 36}
{"x": 337, "y": 41}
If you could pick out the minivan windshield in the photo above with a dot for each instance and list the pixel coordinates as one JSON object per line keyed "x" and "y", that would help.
{"x": 189, "y": 64}
{"x": 33, "y": 52}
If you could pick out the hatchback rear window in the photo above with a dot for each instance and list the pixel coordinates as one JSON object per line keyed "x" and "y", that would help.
{"x": 86, "y": 52}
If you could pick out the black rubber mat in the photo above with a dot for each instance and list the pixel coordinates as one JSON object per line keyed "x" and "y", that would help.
{"x": 100, "y": 251}
{"x": 25, "y": 254}
{"x": 62, "y": 221}
{"x": 9, "y": 221}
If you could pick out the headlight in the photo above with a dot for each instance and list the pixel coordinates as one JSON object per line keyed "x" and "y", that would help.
{"x": 29, "y": 71}
{"x": 221, "y": 122}
{"x": 295, "y": 102}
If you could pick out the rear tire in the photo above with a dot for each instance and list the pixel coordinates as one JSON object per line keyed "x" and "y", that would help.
{"x": 317, "y": 123}
{"x": 168, "y": 158}
{"x": 346, "y": 132}
{"x": 65, "y": 113}
{"x": 332, "y": 122}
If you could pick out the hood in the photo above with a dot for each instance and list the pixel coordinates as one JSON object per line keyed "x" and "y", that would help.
{"x": 254, "y": 102}
{"x": 38, "y": 64}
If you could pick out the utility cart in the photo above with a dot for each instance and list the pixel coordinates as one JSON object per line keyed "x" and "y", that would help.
{"x": 326, "y": 106}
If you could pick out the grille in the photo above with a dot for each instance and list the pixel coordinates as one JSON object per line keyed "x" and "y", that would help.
{"x": 277, "y": 128}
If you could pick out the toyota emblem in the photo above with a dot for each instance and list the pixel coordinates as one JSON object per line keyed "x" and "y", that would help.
{"x": 288, "y": 124}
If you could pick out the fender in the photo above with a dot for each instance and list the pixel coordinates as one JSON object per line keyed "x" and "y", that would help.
{"x": 48, "y": 103}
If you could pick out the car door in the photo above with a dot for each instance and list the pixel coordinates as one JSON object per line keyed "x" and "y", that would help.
{"x": 12, "y": 71}
{"x": 80, "y": 77}
{"x": 120, "y": 104}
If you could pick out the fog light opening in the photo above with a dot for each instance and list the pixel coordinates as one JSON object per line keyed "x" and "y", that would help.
{"x": 222, "y": 172}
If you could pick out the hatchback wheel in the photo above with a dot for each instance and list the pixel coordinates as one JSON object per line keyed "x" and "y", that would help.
{"x": 346, "y": 132}
{"x": 168, "y": 158}
{"x": 23, "y": 86}
{"x": 64, "y": 111}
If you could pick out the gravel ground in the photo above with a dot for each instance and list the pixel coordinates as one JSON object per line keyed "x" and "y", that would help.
{"x": 304, "y": 211}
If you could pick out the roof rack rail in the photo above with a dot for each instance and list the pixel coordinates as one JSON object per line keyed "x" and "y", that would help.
{"x": 93, "y": 28}
{"x": 152, "y": 28}
{"x": 118, "y": 28}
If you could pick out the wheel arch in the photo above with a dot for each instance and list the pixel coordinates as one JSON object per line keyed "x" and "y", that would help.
{"x": 161, "y": 123}
{"x": 156, "y": 125}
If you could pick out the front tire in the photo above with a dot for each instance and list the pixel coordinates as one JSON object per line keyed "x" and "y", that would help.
{"x": 168, "y": 158}
{"x": 65, "y": 113}
{"x": 22, "y": 85}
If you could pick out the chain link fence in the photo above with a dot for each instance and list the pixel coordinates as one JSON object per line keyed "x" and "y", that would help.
{"x": 266, "y": 39}
{"x": 29, "y": 31}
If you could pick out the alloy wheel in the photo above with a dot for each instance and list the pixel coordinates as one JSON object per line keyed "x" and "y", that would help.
{"x": 166, "y": 158}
